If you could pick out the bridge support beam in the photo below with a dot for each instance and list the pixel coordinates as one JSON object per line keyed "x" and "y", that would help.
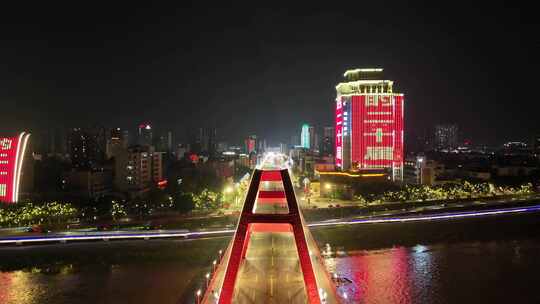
{"x": 243, "y": 231}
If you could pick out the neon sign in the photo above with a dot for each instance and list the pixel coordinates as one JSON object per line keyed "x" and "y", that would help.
{"x": 339, "y": 134}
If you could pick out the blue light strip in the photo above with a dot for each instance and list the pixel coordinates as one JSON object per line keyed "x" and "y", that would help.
{"x": 418, "y": 218}
{"x": 112, "y": 236}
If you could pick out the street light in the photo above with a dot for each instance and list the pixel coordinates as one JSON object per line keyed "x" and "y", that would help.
{"x": 227, "y": 191}
{"x": 207, "y": 279}
{"x": 328, "y": 187}
{"x": 322, "y": 295}
{"x": 214, "y": 265}
{"x": 198, "y": 296}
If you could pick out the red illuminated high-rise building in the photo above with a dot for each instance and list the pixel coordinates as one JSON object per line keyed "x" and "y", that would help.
{"x": 12, "y": 150}
{"x": 369, "y": 123}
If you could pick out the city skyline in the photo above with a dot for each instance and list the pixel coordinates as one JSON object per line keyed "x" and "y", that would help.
{"x": 160, "y": 64}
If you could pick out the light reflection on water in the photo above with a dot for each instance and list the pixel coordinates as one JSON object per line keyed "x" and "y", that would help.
{"x": 109, "y": 284}
{"x": 18, "y": 285}
{"x": 440, "y": 273}
{"x": 472, "y": 272}
{"x": 378, "y": 276}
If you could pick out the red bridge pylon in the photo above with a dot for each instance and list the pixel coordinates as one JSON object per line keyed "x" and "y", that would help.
{"x": 275, "y": 222}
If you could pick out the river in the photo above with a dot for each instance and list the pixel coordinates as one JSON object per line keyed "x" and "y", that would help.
{"x": 492, "y": 260}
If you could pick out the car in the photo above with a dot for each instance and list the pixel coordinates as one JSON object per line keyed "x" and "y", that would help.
{"x": 35, "y": 228}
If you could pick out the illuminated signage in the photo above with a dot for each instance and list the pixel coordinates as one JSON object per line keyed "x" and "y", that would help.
{"x": 11, "y": 159}
{"x": 398, "y": 130}
{"x": 345, "y": 110}
{"x": 339, "y": 135}
{"x": 377, "y": 121}
{"x": 162, "y": 184}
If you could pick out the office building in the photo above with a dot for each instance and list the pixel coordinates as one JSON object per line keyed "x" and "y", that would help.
{"x": 117, "y": 142}
{"x": 328, "y": 140}
{"x": 144, "y": 135}
{"x": 138, "y": 169}
{"x": 369, "y": 123}
{"x": 251, "y": 144}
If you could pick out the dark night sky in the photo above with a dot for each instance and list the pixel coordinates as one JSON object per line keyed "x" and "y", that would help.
{"x": 266, "y": 70}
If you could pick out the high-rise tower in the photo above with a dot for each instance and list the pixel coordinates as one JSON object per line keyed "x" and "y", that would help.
{"x": 369, "y": 123}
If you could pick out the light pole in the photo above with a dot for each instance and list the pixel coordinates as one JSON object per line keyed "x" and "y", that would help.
{"x": 307, "y": 189}
{"x": 236, "y": 188}
{"x": 207, "y": 279}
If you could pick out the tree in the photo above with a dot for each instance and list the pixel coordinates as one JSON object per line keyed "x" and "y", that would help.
{"x": 240, "y": 171}
{"x": 157, "y": 196}
{"x": 207, "y": 200}
{"x": 183, "y": 202}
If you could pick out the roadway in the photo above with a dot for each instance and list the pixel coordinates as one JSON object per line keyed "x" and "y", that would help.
{"x": 271, "y": 272}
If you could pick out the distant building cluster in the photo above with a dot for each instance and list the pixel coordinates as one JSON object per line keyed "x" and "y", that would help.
{"x": 509, "y": 163}
{"x": 88, "y": 163}
{"x": 364, "y": 144}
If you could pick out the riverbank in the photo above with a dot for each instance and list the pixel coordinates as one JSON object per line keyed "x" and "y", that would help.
{"x": 321, "y": 210}
{"x": 224, "y": 225}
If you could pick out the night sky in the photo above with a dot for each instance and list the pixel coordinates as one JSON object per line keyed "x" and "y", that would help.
{"x": 266, "y": 70}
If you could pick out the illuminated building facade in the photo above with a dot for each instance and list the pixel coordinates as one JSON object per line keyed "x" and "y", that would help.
{"x": 12, "y": 150}
{"x": 305, "y": 138}
{"x": 116, "y": 142}
{"x": 137, "y": 169}
{"x": 369, "y": 123}
{"x": 251, "y": 144}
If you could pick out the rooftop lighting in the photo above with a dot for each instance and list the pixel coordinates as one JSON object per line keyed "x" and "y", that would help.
{"x": 367, "y": 70}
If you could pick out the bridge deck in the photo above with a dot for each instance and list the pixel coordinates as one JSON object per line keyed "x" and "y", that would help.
{"x": 271, "y": 271}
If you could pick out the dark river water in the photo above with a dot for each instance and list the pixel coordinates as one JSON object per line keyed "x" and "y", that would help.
{"x": 495, "y": 260}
